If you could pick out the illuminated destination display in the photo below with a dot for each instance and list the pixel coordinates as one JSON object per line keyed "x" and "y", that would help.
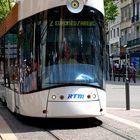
{"x": 71, "y": 23}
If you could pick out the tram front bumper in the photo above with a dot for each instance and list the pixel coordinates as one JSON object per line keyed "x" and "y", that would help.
{"x": 74, "y": 109}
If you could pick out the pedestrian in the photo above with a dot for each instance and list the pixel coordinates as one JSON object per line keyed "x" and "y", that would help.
{"x": 132, "y": 72}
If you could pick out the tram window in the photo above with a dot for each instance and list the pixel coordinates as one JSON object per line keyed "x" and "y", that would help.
{"x": 55, "y": 50}
{"x": 11, "y": 60}
{"x": 28, "y": 65}
{"x": 70, "y": 53}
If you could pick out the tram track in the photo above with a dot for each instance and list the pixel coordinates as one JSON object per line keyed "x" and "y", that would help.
{"x": 103, "y": 125}
{"x": 117, "y": 132}
{"x": 54, "y": 135}
{"x": 112, "y": 129}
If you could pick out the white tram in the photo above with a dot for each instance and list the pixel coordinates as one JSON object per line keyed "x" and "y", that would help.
{"x": 53, "y": 59}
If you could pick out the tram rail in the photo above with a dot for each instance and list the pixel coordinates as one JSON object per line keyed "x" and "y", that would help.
{"x": 98, "y": 123}
{"x": 54, "y": 135}
{"x": 112, "y": 129}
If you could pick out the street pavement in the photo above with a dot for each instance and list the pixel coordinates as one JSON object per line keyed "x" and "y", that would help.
{"x": 116, "y": 102}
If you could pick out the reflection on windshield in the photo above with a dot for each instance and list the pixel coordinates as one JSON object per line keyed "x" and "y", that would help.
{"x": 83, "y": 77}
{"x": 70, "y": 74}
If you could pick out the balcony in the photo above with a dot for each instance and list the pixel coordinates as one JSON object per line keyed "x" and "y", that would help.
{"x": 135, "y": 18}
{"x": 134, "y": 42}
{"x": 126, "y": 24}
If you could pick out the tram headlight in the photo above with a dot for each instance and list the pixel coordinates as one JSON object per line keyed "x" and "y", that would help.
{"x": 53, "y": 97}
{"x": 94, "y": 96}
{"x": 75, "y": 6}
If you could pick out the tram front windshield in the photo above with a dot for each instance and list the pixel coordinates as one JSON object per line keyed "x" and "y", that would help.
{"x": 71, "y": 49}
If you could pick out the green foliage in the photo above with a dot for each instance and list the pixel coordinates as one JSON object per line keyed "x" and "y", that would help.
{"x": 111, "y": 10}
{"x": 5, "y": 7}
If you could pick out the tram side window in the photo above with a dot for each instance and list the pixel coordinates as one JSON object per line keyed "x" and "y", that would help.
{"x": 1, "y": 61}
{"x": 28, "y": 72}
{"x": 11, "y": 60}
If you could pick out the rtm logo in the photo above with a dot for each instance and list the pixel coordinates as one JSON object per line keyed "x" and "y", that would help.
{"x": 75, "y": 96}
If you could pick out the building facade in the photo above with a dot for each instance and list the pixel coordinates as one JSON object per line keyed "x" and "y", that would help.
{"x": 124, "y": 33}
{"x": 114, "y": 34}
{"x": 134, "y": 43}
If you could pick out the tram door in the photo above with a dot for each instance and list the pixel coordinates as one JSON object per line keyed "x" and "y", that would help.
{"x": 2, "y": 81}
{"x": 11, "y": 72}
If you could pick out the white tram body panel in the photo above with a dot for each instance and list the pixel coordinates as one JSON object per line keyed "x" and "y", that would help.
{"x": 33, "y": 104}
{"x": 64, "y": 102}
{"x": 75, "y": 103}
{"x": 30, "y": 7}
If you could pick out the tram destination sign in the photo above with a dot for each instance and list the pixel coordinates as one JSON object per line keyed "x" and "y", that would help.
{"x": 71, "y": 23}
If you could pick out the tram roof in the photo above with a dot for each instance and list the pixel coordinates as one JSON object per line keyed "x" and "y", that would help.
{"x": 31, "y": 7}
{"x": 27, "y": 8}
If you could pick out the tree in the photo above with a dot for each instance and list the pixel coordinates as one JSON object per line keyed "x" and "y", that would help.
{"x": 111, "y": 10}
{"x": 5, "y": 7}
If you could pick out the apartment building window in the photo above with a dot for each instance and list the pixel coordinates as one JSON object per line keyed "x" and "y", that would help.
{"x": 122, "y": 13}
{"x": 118, "y": 31}
{"x": 126, "y": 13}
{"x": 137, "y": 32}
{"x": 125, "y": 35}
{"x": 114, "y": 33}
{"x": 134, "y": 9}
{"x": 138, "y": 7}
{"x": 129, "y": 12}
{"x": 111, "y": 34}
